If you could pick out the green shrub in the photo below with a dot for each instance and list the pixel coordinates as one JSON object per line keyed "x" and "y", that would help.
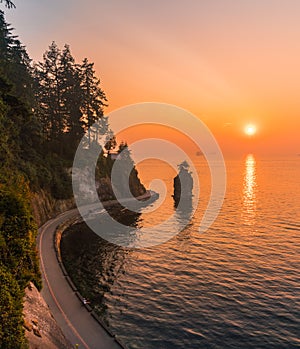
{"x": 11, "y": 319}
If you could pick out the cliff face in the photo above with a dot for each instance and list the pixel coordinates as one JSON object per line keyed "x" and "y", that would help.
{"x": 122, "y": 188}
{"x": 45, "y": 207}
{"x": 121, "y": 185}
{"x": 41, "y": 330}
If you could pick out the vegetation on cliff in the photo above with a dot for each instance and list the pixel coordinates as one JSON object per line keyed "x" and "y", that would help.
{"x": 45, "y": 108}
{"x": 18, "y": 139}
{"x": 19, "y": 262}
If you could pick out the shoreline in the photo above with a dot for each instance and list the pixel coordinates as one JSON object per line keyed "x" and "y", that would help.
{"x": 56, "y": 241}
{"x": 59, "y": 225}
{"x": 77, "y": 324}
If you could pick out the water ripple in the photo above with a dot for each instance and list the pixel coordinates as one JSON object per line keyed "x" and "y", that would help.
{"x": 236, "y": 286}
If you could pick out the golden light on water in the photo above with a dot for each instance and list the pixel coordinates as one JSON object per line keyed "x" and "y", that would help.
{"x": 249, "y": 190}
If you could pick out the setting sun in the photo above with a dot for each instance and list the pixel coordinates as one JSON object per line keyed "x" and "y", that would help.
{"x": 250, "y": 130}
{"x": 149, "y": 178}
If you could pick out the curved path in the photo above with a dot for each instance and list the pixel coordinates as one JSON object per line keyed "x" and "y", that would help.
{"x": 77, "y": 324}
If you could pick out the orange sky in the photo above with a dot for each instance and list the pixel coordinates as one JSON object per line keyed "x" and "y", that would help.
{"x": 229, "y": 62}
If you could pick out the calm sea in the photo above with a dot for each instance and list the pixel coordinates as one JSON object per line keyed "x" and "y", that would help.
{"x": 235, "y": 286}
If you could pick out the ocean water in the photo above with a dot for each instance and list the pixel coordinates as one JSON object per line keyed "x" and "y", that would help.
{"x": 235, "y": 286}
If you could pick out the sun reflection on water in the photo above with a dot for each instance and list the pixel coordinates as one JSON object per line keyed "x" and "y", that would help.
{"x": 249, "y": 190}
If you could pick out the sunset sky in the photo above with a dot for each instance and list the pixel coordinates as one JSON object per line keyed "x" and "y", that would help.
{"x": 229, "y": 62}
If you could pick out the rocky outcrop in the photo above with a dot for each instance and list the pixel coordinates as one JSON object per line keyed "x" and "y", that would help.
{"x": 41, "y": 330}
{"x": 126, "y": 183}
{"x": 183, "y": 185}
{"x": 45, "y": 207}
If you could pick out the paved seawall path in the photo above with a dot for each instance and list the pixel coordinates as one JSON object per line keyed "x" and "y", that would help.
{"x": 75, "y": 320}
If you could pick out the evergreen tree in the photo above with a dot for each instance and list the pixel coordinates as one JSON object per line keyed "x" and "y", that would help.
{"x": 15, "y": 64}
{"x": 125, "y": 152}
{"x": 49, "y": 103}
{"x": 5, "y": 42}
{"x": 71, "y": 95}
{"x": 94, "y": 98}
{"x": 20, "y": 73}
{"x": 8, "y": 3}
{"x": 111, "y": 142}
{"x": 69, "y": 100}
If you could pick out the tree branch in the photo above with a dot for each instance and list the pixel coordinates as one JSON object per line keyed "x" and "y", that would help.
{"x": 9, "y": 3}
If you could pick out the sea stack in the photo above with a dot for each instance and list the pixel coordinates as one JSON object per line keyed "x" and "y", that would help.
{"x": 183, "y": 183}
